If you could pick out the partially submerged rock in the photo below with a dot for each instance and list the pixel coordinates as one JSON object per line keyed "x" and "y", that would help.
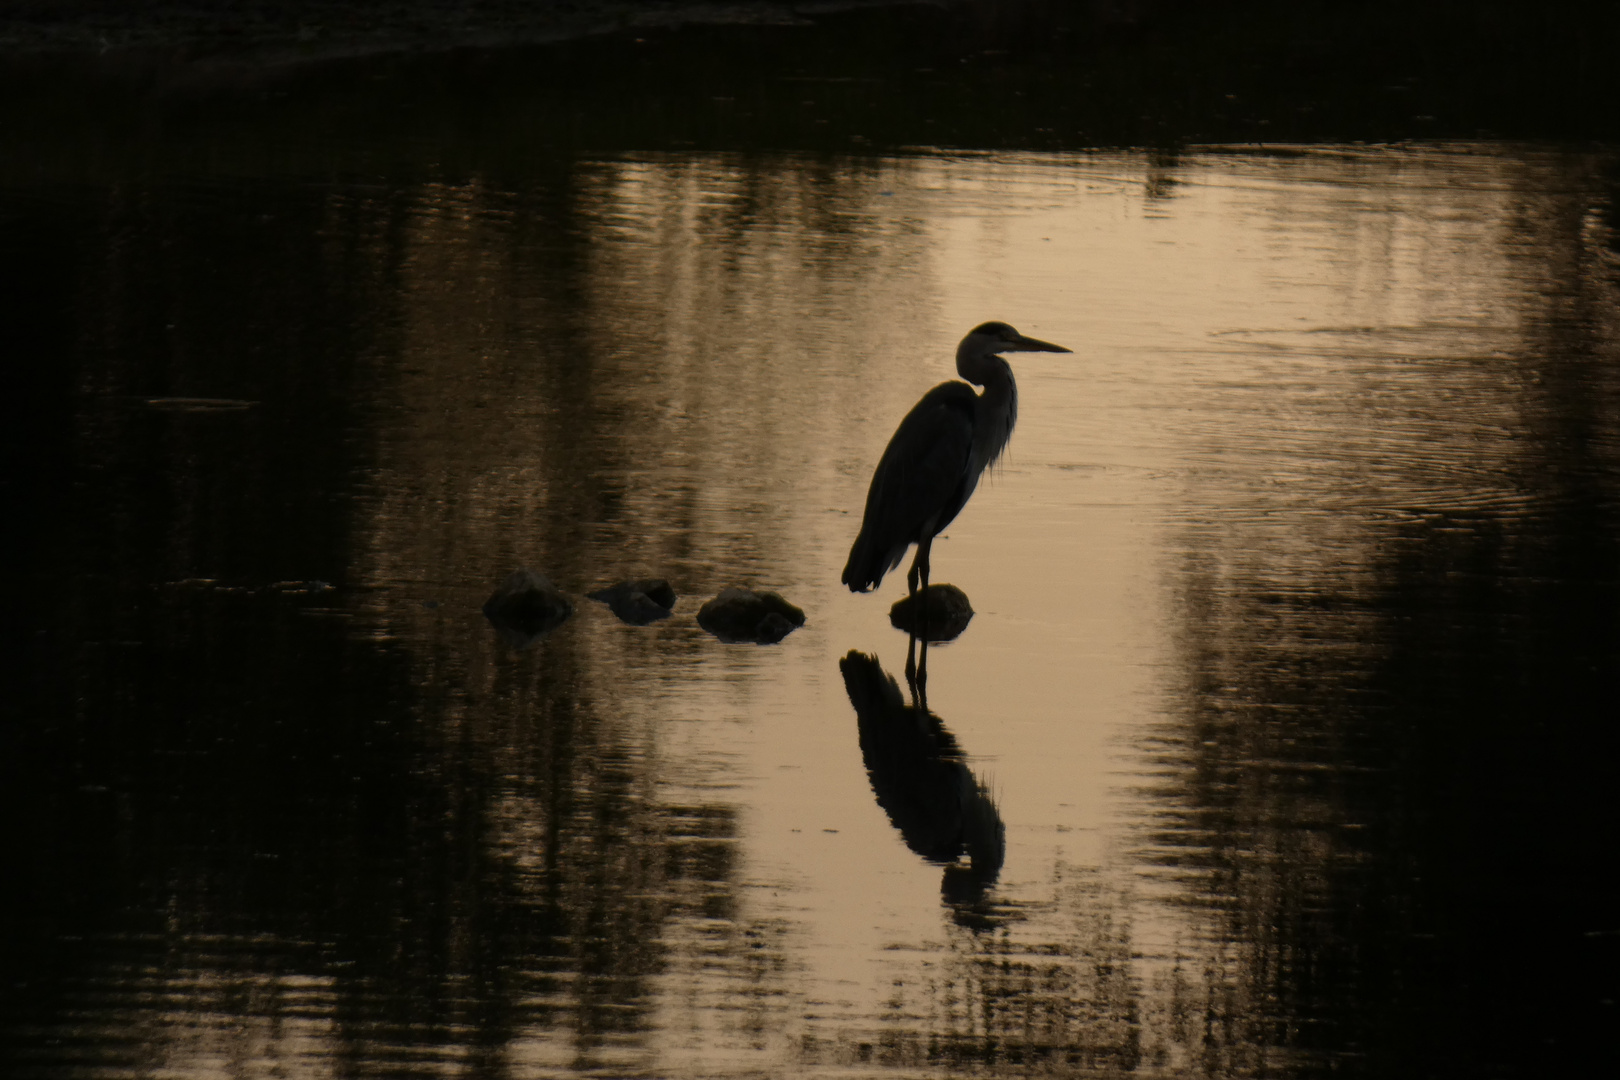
{"x": 937, "y": 613}
{"x": 638, "y": 602}
{"x": 745, "y": 616}
{"x": 526, "y": 608}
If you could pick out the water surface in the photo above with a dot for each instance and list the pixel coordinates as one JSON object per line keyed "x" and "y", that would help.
{"x": 1296, "y": 611}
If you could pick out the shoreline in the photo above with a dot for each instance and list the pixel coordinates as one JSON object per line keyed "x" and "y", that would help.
{"x": 316, "y": 31}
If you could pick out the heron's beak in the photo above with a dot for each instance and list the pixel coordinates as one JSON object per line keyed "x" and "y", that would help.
{"x": 1029, "y": 344}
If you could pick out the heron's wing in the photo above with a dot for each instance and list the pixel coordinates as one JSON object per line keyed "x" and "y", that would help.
{"x": 923, "y": 467}
{"x": 918, "y": 482}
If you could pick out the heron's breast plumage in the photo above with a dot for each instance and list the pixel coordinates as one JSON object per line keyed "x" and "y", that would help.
{"x": 993, "y": 420}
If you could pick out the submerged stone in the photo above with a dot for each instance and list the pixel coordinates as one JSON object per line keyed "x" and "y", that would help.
{"x": 638, "y": 602}
{"x": 745, "y": 616}
{"x": 938, "y": 613}
{"x": 526, "y": 608}
{"x": 773, "y": 628}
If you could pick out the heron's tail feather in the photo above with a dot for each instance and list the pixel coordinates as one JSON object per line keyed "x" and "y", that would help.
{"x": 868, "y": 563}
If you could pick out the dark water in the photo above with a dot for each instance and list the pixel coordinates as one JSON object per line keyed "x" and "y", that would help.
{"x": 1297, "y": 613}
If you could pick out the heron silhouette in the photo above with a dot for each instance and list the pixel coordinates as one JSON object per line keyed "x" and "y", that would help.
{"x": 933, "y": 462}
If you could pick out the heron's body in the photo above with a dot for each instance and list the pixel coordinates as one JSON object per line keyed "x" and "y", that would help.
{"x": 935, "y": 459}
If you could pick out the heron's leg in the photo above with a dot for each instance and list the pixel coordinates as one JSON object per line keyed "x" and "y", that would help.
{"x": 921, "y": 562}
{"x": 919, "y": 567}
{"x": 911, "y": 665}
{"x": 911, "y": 575}
{"x": 921, "y": 687}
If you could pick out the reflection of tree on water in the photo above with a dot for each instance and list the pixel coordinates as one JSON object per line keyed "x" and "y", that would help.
{"x": 1055, "y": 987}
{"x": 941, "y": 809}
{"x": 1391, "y": 783}
{"x": 294, "y": 835}
{"x": 312, "y": 873}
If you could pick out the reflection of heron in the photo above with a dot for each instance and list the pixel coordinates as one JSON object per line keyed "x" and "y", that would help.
{"x": 933, "y": 462}
{"x": 941, "y": 809}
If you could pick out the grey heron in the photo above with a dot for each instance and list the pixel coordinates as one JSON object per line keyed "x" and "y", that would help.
{"x": 934, "y": 460}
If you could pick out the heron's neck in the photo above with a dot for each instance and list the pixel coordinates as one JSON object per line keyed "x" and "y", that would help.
{"x": 998, "y": 404}
{"x": 981, "y": 368}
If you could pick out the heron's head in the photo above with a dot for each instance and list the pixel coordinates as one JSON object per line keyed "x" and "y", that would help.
{"x": 998, "y": 337}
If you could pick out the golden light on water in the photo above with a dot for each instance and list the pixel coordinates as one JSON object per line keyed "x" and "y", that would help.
{"x": 1311, "y": 392}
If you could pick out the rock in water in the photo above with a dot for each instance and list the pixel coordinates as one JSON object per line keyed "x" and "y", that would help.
{"x": 938, "y": 613}
{"x": 526, "y": 608}
{"x": 773, "y": 628}
{"x": 638, "y": 602}
{"x": 745, "y": 616}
